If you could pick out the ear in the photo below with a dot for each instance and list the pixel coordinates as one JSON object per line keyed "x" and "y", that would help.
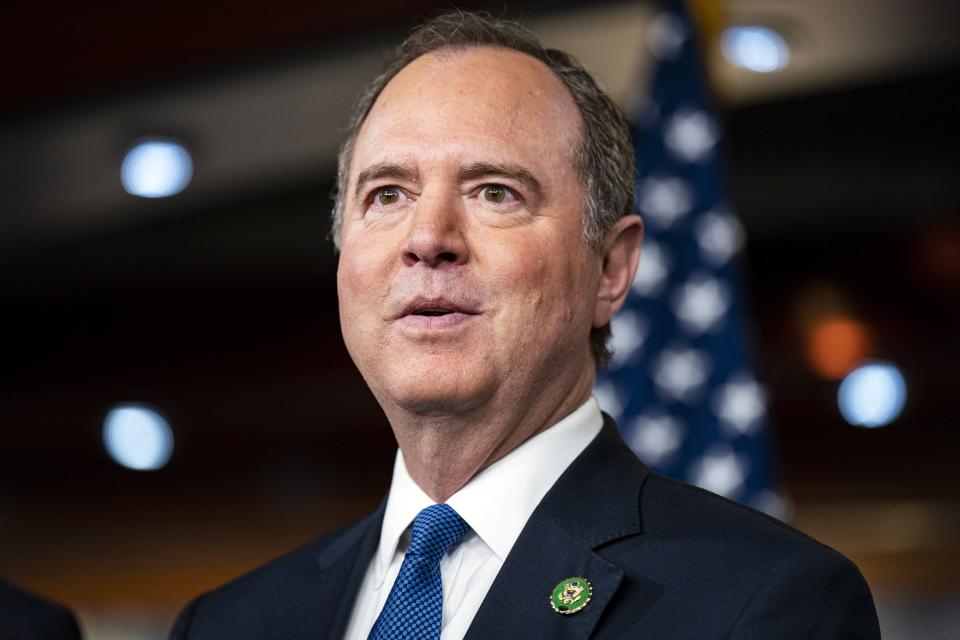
{"x": 621, "y": 254}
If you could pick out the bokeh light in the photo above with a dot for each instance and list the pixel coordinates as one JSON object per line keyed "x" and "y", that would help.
{"x": 873, "y": 395}
{"x": 137, "y": 437}
{"x": 156, "y": 169}
{"x": 755, "y": 48}
{"x": 836, "y": 344}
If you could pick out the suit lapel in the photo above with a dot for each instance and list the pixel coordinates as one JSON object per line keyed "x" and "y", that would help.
{"x": 595, "y": 502}
{"x": 323, "y": 605}
{"x": 518, "y": 603}
{"x": 343, "y": 567}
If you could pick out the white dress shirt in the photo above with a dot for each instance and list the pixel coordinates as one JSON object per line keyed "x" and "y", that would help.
{"x": 496, "y": 503}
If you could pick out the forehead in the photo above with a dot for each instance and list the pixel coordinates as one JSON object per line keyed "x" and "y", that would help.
{"x": 479, "y": 99}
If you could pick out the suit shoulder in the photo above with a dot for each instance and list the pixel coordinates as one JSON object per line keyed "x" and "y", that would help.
{"x": 744, "y": 567}
{"x": 816, "y": 592}
{"x": 673, "y": 509}
{"x": 24, "y": 615}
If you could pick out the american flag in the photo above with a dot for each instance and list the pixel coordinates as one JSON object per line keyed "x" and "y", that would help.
{"x": 680, "y": 383}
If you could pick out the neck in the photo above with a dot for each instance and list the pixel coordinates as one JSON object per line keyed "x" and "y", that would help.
{"x": 444, "y": 450}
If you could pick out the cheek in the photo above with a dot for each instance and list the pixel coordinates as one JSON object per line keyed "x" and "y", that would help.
{"x": 360, "y": 269}
{"x": 522, "y": 275}
{"x": 349, "y": 280}
{"x": 569, "y": 291}
{"x": 356, "y": 287}
{"x": 547, "y": 289}
{"x": 349, "y": 284}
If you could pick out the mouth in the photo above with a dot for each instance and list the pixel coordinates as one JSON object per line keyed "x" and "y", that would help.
{"x": 435, "y": 313}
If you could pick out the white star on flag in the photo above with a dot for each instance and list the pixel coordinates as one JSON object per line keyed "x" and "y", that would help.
{"x": 680, "y": 372}
{"x": 609, "y": 399}
{"x": 655, "y": 435}
{"x": 664, "y": 200}
{"x": 690, "y": 135}
{"x": 720, "y": 470}
{"x": 739, "y": 405}
{"x": 701, "y": 302}
{"x": 719, "y": 235}
{"x": 652, "y": 270}
{"x": 629, "y": 330}
{"x": 772, "y": 504}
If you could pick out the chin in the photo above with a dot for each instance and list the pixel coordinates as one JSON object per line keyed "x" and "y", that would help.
{"x": 435, "y": 388}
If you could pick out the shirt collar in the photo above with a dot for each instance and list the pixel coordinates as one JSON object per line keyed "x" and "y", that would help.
{"x": 498, "y": 501}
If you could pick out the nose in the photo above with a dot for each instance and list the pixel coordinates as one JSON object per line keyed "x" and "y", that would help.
{"x": 436, "y": 233}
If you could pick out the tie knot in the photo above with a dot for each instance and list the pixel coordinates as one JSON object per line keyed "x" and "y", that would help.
{"x": 435, "y": 530}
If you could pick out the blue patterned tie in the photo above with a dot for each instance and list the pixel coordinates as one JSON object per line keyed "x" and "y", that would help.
{"x": 415, "y": 605}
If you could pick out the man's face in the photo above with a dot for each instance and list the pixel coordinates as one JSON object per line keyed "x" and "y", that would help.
{"x": 464, "y": 278}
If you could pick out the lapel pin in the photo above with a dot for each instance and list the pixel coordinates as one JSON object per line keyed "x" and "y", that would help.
{"x": 571, "y": 595}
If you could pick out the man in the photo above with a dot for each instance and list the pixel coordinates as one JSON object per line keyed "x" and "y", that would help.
{"x": 485, "y": 224}
{"x": 24, "y": 616}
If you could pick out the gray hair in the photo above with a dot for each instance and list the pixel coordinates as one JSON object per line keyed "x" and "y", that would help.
{"x": 603, "y": 157}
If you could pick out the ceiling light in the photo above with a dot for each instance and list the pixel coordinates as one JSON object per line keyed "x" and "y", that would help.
{"x": 156, "y": 169}
{"x": 872, "y": 395}
{"x": 137, "y": 437}
{"x": 755, "y": 48}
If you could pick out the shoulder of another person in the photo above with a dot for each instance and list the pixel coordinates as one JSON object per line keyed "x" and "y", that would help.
{"x": 25, "y": 616}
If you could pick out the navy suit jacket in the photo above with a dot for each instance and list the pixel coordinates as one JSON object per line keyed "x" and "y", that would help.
{"x": 24, "y": 616}
{"x": 666, "y": 560}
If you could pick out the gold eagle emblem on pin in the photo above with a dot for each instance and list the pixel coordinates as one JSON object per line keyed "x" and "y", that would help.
{"x": 571, "y": 595}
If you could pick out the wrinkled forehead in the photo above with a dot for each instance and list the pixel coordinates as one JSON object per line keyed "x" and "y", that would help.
{"x": 483, "y": 93}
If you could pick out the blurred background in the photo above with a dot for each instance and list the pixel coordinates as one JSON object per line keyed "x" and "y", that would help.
{"x": 176, "y": 402}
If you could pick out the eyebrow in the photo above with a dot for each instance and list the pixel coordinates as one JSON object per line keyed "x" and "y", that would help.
{"x": 390, "y": 170}
{"x": 511, "y": 171}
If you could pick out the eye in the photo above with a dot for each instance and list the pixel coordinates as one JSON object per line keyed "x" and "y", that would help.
{"x": 497, "y": 194}
{"x": 386, "y": 196}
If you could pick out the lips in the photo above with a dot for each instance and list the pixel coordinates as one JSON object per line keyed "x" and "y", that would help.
{"x": 436, "y": 307}
{"x": 436, "y": 313}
